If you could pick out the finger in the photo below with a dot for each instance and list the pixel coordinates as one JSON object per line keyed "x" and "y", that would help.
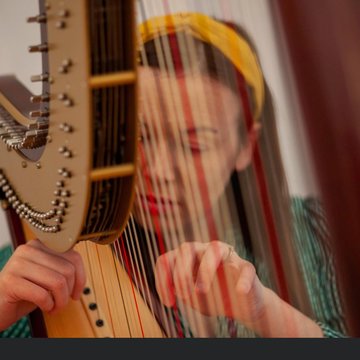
{"x": 209, "y": 264}
{"x": 80, "y": 275}
{"x": 246, "y": 279}
{"x": 25, "y": 290}
{"x": 164, "y": 279}
{"x": 74, "y": 259}
{"x": 184, "y": 267}
{"x": 53, "y": 261}
{"x": 48, "y": 279}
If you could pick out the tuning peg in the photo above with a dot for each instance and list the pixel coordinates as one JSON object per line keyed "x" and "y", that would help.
{"x": 38, "y": 113}
{"x": 38, "y": 48}
{"x": 37, "y": 19}
{"x": 41, "y": 77}
{"x": 64, "y": 13}
{"x": 39, "y": 99}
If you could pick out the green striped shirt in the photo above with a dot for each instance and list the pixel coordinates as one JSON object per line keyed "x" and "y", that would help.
{"x": 21, "y": 328}
{"x": 311, "y": 242}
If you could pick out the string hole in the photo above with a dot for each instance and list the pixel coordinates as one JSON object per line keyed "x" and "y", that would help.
{"x": 86, "y": 291}
{"x": 92, "y": 306}
{"x": 99, "y": 323}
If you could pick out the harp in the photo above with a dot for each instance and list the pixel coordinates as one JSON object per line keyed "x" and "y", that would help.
{"x": 344, "y": 24}
{"x": 149, "y": 235}
{"x": 79, "y": 135}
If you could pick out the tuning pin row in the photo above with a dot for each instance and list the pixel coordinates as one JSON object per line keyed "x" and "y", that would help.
{"x": 38, "y": 48}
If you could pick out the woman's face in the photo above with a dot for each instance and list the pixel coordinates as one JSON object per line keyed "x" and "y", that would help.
{"x": 190, "y": 145}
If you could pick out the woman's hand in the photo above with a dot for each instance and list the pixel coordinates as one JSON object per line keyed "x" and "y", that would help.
{"x": 36, "y": 276}
{"x": 212, "y": 279}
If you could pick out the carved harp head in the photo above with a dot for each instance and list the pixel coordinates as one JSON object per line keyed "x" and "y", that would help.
{"x": 70, "y": 151}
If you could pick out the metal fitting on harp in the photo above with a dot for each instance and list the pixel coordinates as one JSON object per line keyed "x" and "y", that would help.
{"x": 39, "y": 113}
{"x": 39, "y": 98}
{"x": 38, "y": 48}
{"x": 41, "y": 77}
{"x": 37, "y": 19}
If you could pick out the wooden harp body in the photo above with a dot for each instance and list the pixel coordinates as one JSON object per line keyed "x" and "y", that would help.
{"x": 326, "y": 77}
{"x": 70, "y": 152}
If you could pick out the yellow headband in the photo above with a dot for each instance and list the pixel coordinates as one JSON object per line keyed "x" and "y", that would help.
{"x": 228, "y": 41}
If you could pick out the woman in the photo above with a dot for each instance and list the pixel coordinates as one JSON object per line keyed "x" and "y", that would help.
{"x": 208, "y": 146}
{"x": 206, "y": 119}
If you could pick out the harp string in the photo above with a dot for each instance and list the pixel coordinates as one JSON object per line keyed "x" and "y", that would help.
{"x": 135, "y": 321}
{"x": 135, "y": 267}
{"x": 274, "y": 208}
{"x": 181, "y": 90}
{"x": 168, "y": 189}
{"x": 115, "y": 113}
{"x": 176, "y": 130}
{"x": 167, "y": 96}
{"x": 145, "y": 285}
{"x": 199, "y": 108}
{"x": 167, "y": 231}
{"x": 153, "y": 250}
{"x": 116, "y": 252}
{"x": 103, "y": 277}
{"x": 185, "y": 58}
{"x": 258, "y": 181}
{"x": 226, "y": 10}
{"x": 249, "y": 180}
{"x": 110, "y": 111}
{"x": 129, "y": 298}
{"x": 214, "y": 217}
{"x": 133, "y": 264}
{"x": 164, "y": 191}
{"x": 98, "y": 65}
{"x": 102, "y": 153}
{"x": 91, "y": 277}
{"x": 223, "y": 207}
{"x": 163, "y": 53}
{"x": 157, "y": 226}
